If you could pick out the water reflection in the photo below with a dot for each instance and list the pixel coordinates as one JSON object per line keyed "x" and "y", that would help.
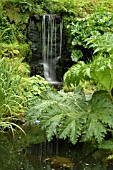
{"x": 17, "y": 154}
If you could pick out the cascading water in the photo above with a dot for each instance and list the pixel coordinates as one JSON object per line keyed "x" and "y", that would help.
{"x": 51, "y": 46}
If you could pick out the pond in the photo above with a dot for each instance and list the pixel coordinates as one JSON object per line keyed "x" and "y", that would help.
{"x": 32, "y": 152}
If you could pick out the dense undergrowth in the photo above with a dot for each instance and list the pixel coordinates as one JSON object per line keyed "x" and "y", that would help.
{"x": 16, "y": 88}
{"x": 85, "y": 114}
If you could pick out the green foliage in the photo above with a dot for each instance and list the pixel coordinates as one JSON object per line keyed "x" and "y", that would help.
{"x": 94, "y": 34}
{"x": 69, "y": 115}
{"x": 13, "y": 101}
{"x": 6, "y": 31}
{"x": 81, "y": 8}
{"x": 101, "y": 43}
{"x": 100, "y": 70}
{"x": 17, "y": 11}
{"x": 5, "y": 125}
{"x": 77, "y": 73}
{"x": 14, "y": 50}
{"x": 35, "y": 85}
{"x": 12, "y": 39}
{"x": 16, "y": 89}
{"x": 87, "y": 34}
{"x": 76, "y": 55}
{"x": 14, "y": 20}
{"x": 107, "y": 144}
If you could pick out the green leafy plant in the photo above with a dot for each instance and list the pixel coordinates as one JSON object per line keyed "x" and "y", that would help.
{"x": 69, "y": 115}
{"x": 90, "y": 32}
{"x": 13, "y": 101}
{"x": 77, "y": 73}
{"x": 100, "y": 70}
{"x": 6, "y": 31}
{"x": 101, "y": 43}
{"x": 16, "y": 89}
{"x": 36, "y": 85}
{"x": 13, "y": 50}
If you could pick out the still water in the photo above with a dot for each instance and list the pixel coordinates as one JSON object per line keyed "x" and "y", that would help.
{"x": 32, "y": 152}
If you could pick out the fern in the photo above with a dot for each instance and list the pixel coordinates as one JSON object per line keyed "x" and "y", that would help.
{"x": 69, "y": 115}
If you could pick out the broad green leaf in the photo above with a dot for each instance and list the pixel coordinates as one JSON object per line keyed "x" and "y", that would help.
{"x": 69, "y": 115}
{"x": 101, "y": 72}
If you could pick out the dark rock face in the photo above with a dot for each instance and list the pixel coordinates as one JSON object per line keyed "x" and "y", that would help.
{"x": 52, "y": 40}
{"x": 34, "y": 35}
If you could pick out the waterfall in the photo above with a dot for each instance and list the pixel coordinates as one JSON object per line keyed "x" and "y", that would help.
{"x": 51, "y": 46}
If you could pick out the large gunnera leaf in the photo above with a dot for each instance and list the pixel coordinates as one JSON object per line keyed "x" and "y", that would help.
{"x": 99, "y": 118}
{"x": 69, "y": 115}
